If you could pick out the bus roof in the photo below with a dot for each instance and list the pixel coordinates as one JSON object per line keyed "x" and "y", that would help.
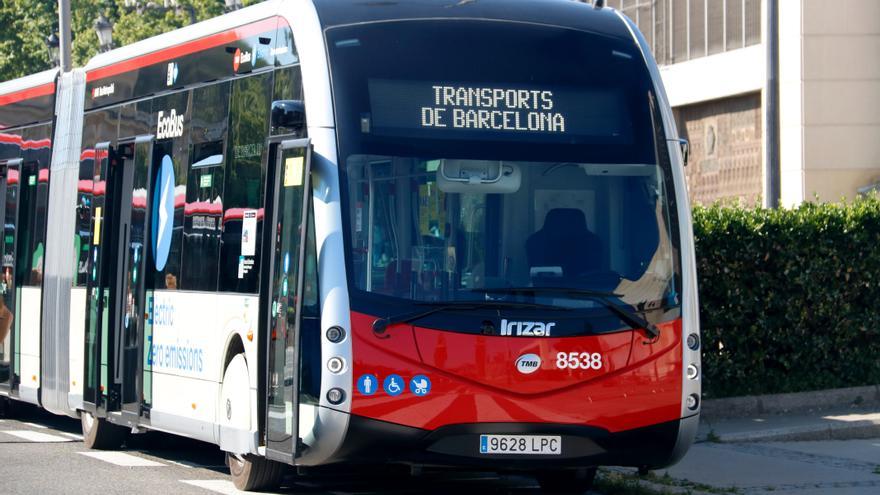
{"x": 563, "y": 13}
{"x": 28, "y": 87}
{"x": 220, "y": 24}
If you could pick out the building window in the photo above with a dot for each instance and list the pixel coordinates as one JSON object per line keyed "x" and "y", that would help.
{"x": 681, "y": 30}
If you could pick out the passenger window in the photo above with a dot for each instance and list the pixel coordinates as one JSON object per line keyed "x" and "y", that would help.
{"x": 204, "y": 209}
{"x": 33, "y": 205}
{"x": 172, "y": 143}
{"x": 204, "y": 191}
{"x": 98, "y": 127}
{"x": 287, "y": 105}
{"x": 285, "y": 50}
{"x": 244, "y": 183}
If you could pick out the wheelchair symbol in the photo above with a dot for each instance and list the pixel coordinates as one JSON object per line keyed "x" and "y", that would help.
{"x": 393, "y": 385}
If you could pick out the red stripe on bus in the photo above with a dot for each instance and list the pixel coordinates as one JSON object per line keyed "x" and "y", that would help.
{"x": 27, "y": 94}
{"x": 184, "y": 49}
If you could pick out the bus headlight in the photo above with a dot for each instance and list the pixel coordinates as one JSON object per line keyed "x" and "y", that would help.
{"x": 693, "y": 372}
{"x": 693, "y": 402}
{"x": 335, "y": 396}
{"x": 693, "y": 341}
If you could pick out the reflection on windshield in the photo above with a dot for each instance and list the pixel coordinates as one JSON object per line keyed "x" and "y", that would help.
{"x": 437, "y": 229}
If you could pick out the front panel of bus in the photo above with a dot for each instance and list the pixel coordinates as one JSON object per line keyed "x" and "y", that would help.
{"x": 512, "y": 246}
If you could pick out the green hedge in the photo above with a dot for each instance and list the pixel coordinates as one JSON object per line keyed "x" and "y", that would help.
{"x": 789, "y": 298}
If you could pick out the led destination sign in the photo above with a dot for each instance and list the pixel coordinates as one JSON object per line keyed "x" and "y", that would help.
{"x": 493, "y": 111}
{"x": 462, "y": 107}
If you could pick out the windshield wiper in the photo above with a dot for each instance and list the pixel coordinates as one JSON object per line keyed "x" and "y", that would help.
{"x": 629, "y": 316}
{"x": 380, "y": 326}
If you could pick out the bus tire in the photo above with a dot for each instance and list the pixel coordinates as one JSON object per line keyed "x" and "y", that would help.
{"x": 7, "y": 407}
{"x": 251, "y": 472}
{"x": 566, "y": 480}
{"x": 98, "y": 433}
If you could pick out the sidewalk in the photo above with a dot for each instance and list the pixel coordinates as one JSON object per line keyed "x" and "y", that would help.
{"x": 808, "y": 453}
{"x": 839, "y": 424}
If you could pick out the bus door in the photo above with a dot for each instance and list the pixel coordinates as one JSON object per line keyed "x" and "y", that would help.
{"x": 286, "y": 215}
{"x": 115, "y": 290}
{"x": 9, "y": 184}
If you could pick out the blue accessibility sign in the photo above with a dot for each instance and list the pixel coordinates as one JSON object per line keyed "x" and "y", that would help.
{"x": 367, "y": 384}
{"x": 393, "y": 385}
{"x": 420, "y": 385}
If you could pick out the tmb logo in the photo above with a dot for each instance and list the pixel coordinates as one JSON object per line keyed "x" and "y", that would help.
{"x": 528, "y": 363}
{"x": 240, "y": 57}
{"x": 526, "y": 328}
{"x": 106, "y": 90}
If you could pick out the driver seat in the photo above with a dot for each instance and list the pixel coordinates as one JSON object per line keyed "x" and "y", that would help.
{"x": 566, "y": 242}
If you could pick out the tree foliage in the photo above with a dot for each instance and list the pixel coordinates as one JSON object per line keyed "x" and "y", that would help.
{"x": 27, "y": 23}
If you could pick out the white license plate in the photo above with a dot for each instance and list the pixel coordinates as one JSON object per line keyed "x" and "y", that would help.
{"x": 521, "y": 444}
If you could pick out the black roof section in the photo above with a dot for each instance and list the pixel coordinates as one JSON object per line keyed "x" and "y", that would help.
{"x": 563, "y": 13}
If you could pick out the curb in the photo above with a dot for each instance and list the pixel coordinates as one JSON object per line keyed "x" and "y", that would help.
{"x": 754, "y": 405}
{"x": 852, "y": 430}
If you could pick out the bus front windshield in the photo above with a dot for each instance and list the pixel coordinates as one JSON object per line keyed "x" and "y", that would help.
{"x": 498, "y": 161}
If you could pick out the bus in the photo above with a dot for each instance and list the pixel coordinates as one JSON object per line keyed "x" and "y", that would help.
{"x": 436, "y": 234}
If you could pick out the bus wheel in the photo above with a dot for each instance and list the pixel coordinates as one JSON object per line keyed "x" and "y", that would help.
{"x": 7, "y": 408}
{"x": 566, "y": 481}
{"x": 250, "y": 472}
{"x": 98, "y": 433}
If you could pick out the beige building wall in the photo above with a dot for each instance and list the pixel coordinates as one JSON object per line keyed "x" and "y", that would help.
{"x": 829, "y": 106}
{"x": 840, "y": 81}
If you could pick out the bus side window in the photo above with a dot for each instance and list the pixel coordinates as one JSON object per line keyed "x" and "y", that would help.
{"x": 34, "y": 205}
{"x": 288, "y": 90}
{"x": 174, "y": 145}
{"x": 204, "y": 190}
{"x": 310, "y": 333}
{"x": 244, "y": 183}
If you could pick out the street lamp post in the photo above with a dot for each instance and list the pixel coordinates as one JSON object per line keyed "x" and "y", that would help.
{"x": 104, "y": 29}
{"x": 232, "y": 5}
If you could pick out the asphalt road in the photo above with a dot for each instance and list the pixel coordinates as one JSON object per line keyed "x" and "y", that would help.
{"x": 43, "y": 453}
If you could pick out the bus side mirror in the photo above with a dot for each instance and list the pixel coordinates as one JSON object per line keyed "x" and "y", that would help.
{"x": 288, "y": 117}
{"x": 685, "y": 150}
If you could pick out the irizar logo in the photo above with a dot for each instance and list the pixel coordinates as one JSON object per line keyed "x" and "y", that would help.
{"x": 170, "y": 126}
{"x": 528, "y": 363}
{"x": 526, "y": 328}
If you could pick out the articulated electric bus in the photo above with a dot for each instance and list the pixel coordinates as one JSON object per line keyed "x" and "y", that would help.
{"x": 436, "y": 233}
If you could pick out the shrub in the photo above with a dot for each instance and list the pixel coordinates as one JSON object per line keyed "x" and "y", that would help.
{"x": 789, "y": 298}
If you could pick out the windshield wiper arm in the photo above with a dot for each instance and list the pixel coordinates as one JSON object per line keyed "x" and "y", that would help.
{"x": 629, "y": 316}
{"x": 380, "y": 325}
